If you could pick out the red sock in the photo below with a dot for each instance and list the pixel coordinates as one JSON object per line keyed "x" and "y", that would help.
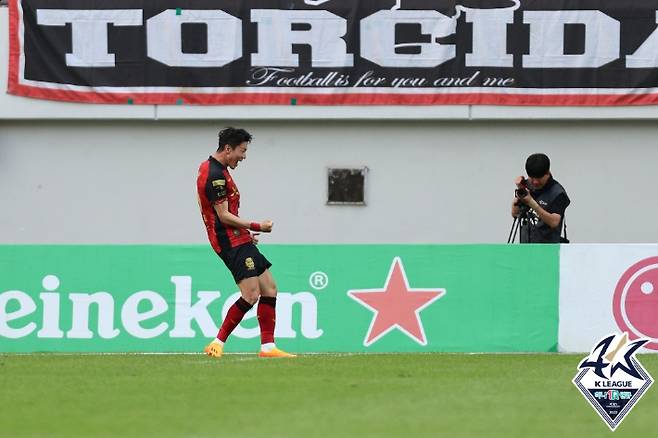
{"x": 266, "y": 312}
{"x": 233, "y": 318}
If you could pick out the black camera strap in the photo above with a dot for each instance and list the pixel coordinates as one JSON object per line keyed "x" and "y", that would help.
{"x": 564, "y": 239}
{"x": 565, "y": 228}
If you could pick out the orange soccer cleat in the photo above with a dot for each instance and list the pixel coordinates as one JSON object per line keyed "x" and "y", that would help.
{"x": 275, "y": 352}
{"x": 214, "y": 349}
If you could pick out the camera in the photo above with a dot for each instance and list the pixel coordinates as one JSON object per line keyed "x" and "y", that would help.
{"x": 522, "y": 191}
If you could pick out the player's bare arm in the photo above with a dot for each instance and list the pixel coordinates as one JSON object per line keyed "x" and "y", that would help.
{"x": 229, "y": 218}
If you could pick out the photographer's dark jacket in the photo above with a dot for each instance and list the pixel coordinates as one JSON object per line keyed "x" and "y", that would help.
{"x": 552, "y": 198}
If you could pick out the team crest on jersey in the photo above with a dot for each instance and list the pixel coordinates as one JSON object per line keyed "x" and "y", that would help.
{"x": 249, "y": 263}
{"x": 612, "y": 379}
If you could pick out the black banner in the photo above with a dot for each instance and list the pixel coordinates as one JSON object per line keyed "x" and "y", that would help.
{"x": 532, "y": 52}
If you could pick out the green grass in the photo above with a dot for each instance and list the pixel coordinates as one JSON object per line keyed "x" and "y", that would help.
{"x": 405, "y": 395}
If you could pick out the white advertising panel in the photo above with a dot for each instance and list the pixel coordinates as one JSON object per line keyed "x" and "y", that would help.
{"x": 606, "y": 288}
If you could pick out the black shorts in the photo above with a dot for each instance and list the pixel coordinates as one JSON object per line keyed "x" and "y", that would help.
{"x": 245, "y": 261}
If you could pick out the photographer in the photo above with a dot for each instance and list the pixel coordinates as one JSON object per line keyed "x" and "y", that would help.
{"x": 540, "y": 202}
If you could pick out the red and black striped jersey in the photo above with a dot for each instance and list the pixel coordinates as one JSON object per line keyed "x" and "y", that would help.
{"x": 214, "y": 186}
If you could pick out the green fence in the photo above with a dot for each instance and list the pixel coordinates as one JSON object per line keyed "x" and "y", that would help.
{"x": 332, "y": 298}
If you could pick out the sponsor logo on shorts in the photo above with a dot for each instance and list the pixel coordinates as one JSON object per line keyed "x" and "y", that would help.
{"x": 249, "y": 263}
{"x": 218, "y": 182}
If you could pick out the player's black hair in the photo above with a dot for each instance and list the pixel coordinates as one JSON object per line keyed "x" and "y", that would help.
{"x": 233, "y": 137}
{"x": 537, "y": 165}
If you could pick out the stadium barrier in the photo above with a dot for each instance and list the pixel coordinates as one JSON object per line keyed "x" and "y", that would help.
{"x": 332, "y": 298}
{"x": 608, "y": 288}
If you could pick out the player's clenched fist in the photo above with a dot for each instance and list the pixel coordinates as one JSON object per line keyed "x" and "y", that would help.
{"x": 266, "y": 226}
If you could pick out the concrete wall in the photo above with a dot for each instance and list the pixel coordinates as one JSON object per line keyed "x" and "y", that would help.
{"x": 132, "y": 182}
{"x": 73, "y": 173}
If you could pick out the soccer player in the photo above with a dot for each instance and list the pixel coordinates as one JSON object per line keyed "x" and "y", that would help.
{"x": 231, "y": 238}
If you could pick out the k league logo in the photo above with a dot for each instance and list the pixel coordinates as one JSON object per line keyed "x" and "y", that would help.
{"x": 612, "y": 379}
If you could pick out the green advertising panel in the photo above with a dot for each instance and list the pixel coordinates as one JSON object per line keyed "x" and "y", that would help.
{"x": 332, "y": 298}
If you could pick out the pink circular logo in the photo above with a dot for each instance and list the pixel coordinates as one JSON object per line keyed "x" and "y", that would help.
{"x": 635, "y": 303}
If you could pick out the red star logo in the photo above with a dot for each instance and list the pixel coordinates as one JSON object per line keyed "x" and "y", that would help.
{"x": 396, "y": 306}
